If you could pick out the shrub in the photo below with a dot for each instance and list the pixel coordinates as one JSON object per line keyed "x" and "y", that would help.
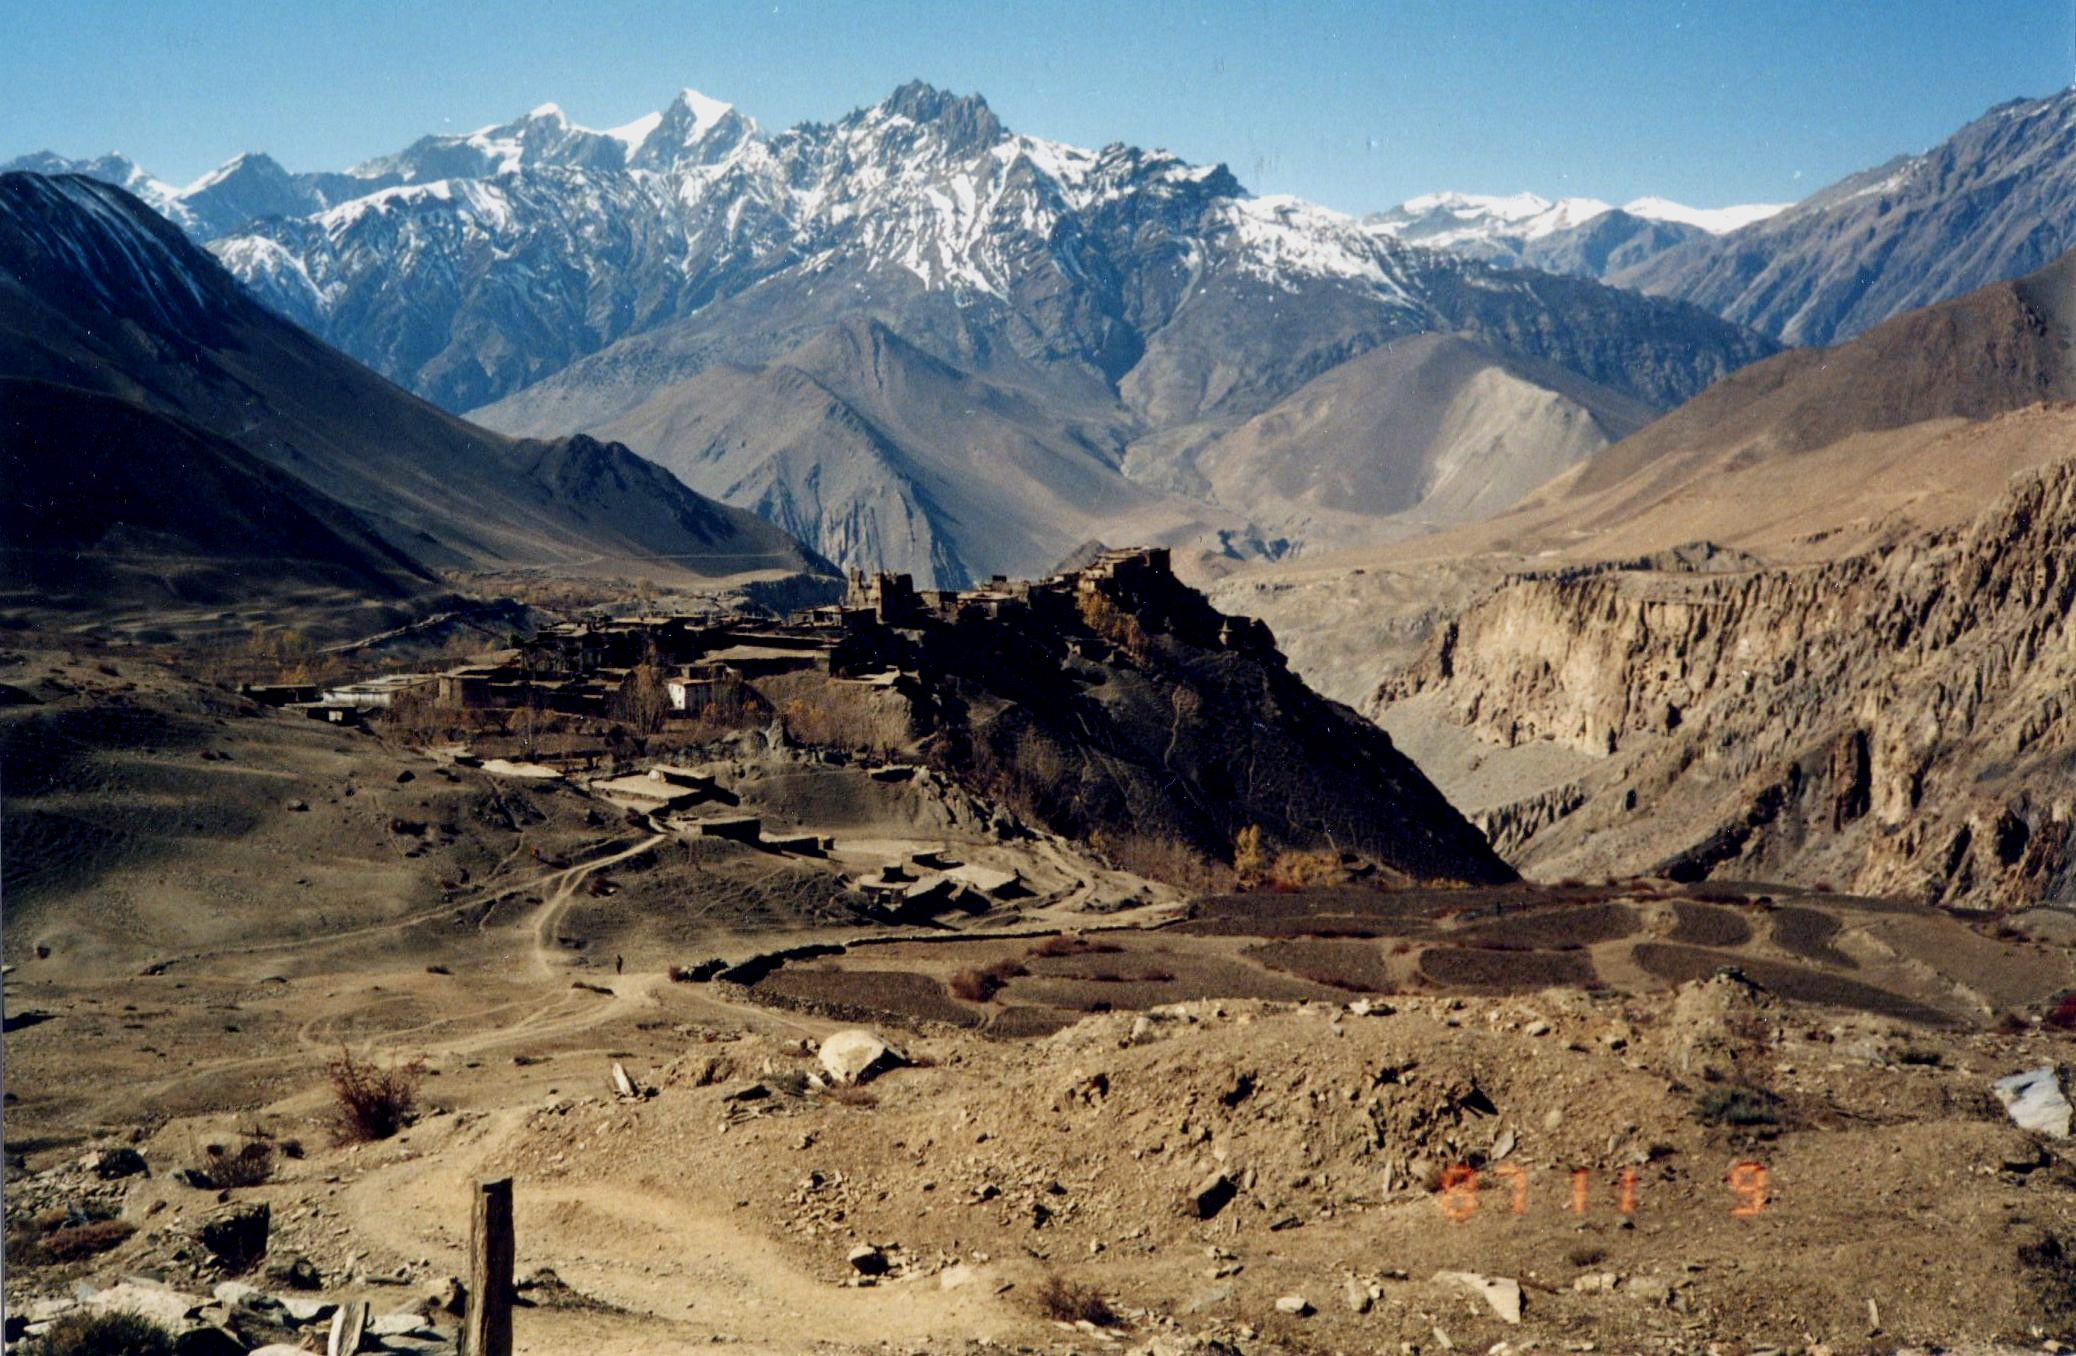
{"x": 110, "y": 1334}
{"x": 1063, "y": 1301}
{"x": 1739, "y": 1106}
{"x": 251, "y": 1165}
{"x": 1306, "y": 870}
{"x": 80, "y": 1241}
{"x": 981, "y": 986}
{"x": 2063, "y": 1018}
{"x": 370, "y": 1101}
{"x": 1163, "y": 859}
{"x": 1053, "y": 948}
{"x": 1114, "y": 624}
{"x": 1345, "y": 983}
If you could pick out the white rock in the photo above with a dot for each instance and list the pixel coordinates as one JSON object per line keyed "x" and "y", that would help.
{"x": 1651, "y": 1289}
{"x": 399, "y": 1324}
{"x": 1502, "y": 1293}
{"x": 1294, "y": 1304}
{"x": 157, "y": 1303}
{"x": 302, "y": 1310}
{"x": 235, "y": 1293}
{"x": 2035, "y": 1102}
{"x": 856, "y": 1055}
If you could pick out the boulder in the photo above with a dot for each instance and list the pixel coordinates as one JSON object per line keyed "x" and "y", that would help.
{"x": 1212, "y": 1195}
{"x": 302, "y": 1310}
{"x": 2035, "y": 1102}
{"x": 208, "y": 1340}
{"x": 867, "y": 1260}
{"x": 1296, "y": 1305}
{"x": 450, "y": 1296}
{"x": 1356, "y": 1293}
{"x": 856, "y": 1056}
{"x": 109, "y": 1164}
{"x": 236, "y": 1236}
{"x": 235, "y": 1293}
{"x": 1651, "y": 1289}
{"x": 400, "y": 1323}
{"x": 162, "y": 1305}
{"x": 295, "y": 1273}
{"x": 1502, "y": 1293}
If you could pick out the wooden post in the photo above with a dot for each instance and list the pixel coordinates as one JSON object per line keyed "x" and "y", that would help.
{"x": 487, "y": 1330}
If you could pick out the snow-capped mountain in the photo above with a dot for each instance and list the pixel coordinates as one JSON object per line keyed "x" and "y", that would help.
{"x": 1582, "y": 236}
{"x": 150, "y": 401}
{"x": 1116, "y": 308}
{"x": 1714, "y": 220}
{"x": 1453, "y": 220}
{"x": 118, "y": 169}
{"x": 1996, "y": 200}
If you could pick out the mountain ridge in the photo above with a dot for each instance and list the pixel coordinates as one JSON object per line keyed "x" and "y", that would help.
{"x": 102, "y": 298}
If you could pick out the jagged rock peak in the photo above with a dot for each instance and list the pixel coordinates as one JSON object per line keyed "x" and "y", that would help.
{"x": 964, "y": 120}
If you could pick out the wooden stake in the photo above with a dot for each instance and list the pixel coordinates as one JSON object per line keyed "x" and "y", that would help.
{"x": 487, "y": 1330}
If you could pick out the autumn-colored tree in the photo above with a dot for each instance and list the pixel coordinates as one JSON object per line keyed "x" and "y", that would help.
{"x": 1250, "y": 858}
{"x": 643, "y": 700}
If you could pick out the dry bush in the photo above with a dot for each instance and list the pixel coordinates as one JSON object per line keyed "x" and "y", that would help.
{"x": 1168, "y": 860}
{"x": 1740, "y": 1106}
{"x": 1063, "y": 945}
{"x": 81, "y": 1241}
{"x": 981, "y": 985}
{"x": 417, "y": 717}
{"x": 1341, "y": 982}
{"x": 250, "y": 1166}
{"x": 1307, "y": 870}
{"x": 369, "y": 1101}
{"x": 1064, "y": 1301}
{"x": 103, "y": 1334}
{"x": 1114, "y": 624}
{"x": 643, "y": 701}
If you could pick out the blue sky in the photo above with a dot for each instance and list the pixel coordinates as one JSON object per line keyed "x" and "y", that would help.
{"x": 1354, "y": 105}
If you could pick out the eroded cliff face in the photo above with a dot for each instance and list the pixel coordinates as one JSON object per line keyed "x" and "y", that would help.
{"x": 1897, "y": 722}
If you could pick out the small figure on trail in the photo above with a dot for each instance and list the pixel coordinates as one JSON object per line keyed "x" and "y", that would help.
{"x": 619, "y": 964}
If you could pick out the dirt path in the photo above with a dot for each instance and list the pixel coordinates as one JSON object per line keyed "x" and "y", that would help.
{"x": 661, "y": 1251}
{"x": 557, "y": 903}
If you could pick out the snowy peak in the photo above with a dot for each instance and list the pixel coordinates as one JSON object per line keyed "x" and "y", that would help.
{"x": 693, "y": 130}
{"x": 92, "y": 243}
{"x": 113, "y": 168}
{"x": 1482, "y": 222}
{"x": 705, "y": 113}
{"x": 1714, "y": 220}
{"x": 1478, "y": 223}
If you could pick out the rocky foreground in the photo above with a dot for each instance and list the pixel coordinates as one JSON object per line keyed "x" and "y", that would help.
{"x": 1707, "y": 1170}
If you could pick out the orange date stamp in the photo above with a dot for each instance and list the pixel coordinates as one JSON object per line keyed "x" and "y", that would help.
{"x": 1750, "y": 1190}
